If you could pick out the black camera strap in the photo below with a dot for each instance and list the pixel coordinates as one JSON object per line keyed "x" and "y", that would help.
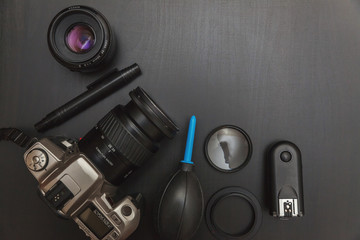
{"x": 16, "y": 136}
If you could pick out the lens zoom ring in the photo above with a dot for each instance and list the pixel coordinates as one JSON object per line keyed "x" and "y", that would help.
{"x": 123, "y": 141}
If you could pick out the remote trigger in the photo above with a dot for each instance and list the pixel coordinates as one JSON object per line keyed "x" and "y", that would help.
{"x": 286, "y": 180}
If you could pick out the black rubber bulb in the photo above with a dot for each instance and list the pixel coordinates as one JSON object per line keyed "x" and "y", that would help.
{"x": 181, "y": 205}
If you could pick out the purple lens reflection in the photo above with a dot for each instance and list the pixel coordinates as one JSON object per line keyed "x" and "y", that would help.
{"x": 80, "y": 38}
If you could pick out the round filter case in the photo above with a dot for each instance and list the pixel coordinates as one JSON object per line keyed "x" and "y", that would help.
{"x": 233, "y": 213}
{"x": 228, "y": 148}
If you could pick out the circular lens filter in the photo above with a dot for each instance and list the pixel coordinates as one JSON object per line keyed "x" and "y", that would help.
{"x": 233, "y": 213}
{"x": 228, "y": 148}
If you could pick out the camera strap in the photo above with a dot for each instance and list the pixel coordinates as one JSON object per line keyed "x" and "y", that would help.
{"x": 16, "y": 136}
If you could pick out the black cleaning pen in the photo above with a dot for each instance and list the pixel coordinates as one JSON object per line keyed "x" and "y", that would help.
{"x": 96, "y": 91}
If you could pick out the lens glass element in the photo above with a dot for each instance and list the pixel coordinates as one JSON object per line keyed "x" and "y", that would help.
{"x": 228, "y": 148}
{"x": 80, "y": 38}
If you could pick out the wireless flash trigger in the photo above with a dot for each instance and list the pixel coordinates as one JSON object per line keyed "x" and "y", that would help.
{"x": 286, "y": 181}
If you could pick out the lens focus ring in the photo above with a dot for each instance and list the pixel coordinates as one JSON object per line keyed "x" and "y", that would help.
{"x": 124, "y": 142}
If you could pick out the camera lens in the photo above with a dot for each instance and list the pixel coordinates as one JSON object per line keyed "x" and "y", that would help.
{"x": 80, "y": 38}
{"x": 127, "y": 136}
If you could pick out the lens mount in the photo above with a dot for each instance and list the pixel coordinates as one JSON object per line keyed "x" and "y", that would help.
{"x": 91, "y": 45}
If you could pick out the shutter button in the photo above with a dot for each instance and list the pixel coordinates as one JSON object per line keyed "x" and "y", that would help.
{"x": 126, "y": 211}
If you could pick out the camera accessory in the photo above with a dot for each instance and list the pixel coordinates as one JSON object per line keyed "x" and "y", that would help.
{"x": 127, "y": 136}
{"x": 233, "y": 213}
{"x": 228, "y": 148}
{"x": 286, "y": 180}
{"x": 181, "y": 206}
{"x": 76, "y": 180}
{"x": 80, "y": 38}
{"x": 96, "y": 91}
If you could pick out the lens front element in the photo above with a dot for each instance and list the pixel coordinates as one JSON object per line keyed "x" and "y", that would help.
{"x": 80, "y": 38}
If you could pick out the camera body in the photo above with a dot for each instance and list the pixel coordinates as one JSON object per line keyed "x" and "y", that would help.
{"x": 79, "y": 180}
{"x": 74, "y": 188}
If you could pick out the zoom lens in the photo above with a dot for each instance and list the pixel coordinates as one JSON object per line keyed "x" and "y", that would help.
{"x": 80, "y": 38}
{"x": 127, "y": 136}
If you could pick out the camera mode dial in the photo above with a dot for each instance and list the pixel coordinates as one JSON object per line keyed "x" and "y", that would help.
{"x": 36, "y": 160}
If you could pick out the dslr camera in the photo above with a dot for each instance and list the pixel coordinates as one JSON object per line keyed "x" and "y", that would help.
{"x": 78, "y": 179}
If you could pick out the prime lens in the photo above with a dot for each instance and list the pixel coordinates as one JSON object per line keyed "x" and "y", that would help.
{"x": 127, "y": 136}
{"x": 80, "y": 38}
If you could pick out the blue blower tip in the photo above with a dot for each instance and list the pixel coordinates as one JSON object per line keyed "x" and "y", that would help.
{"x": 190, "y": 141}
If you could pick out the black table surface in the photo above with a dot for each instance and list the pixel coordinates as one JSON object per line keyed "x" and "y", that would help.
{"x": 279, "y": 69}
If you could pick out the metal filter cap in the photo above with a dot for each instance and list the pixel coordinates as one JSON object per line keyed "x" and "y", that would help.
{"x": 228, "y": 148}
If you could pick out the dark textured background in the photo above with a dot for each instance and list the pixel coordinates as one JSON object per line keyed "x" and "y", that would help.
{"x": 281, "y": 69}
